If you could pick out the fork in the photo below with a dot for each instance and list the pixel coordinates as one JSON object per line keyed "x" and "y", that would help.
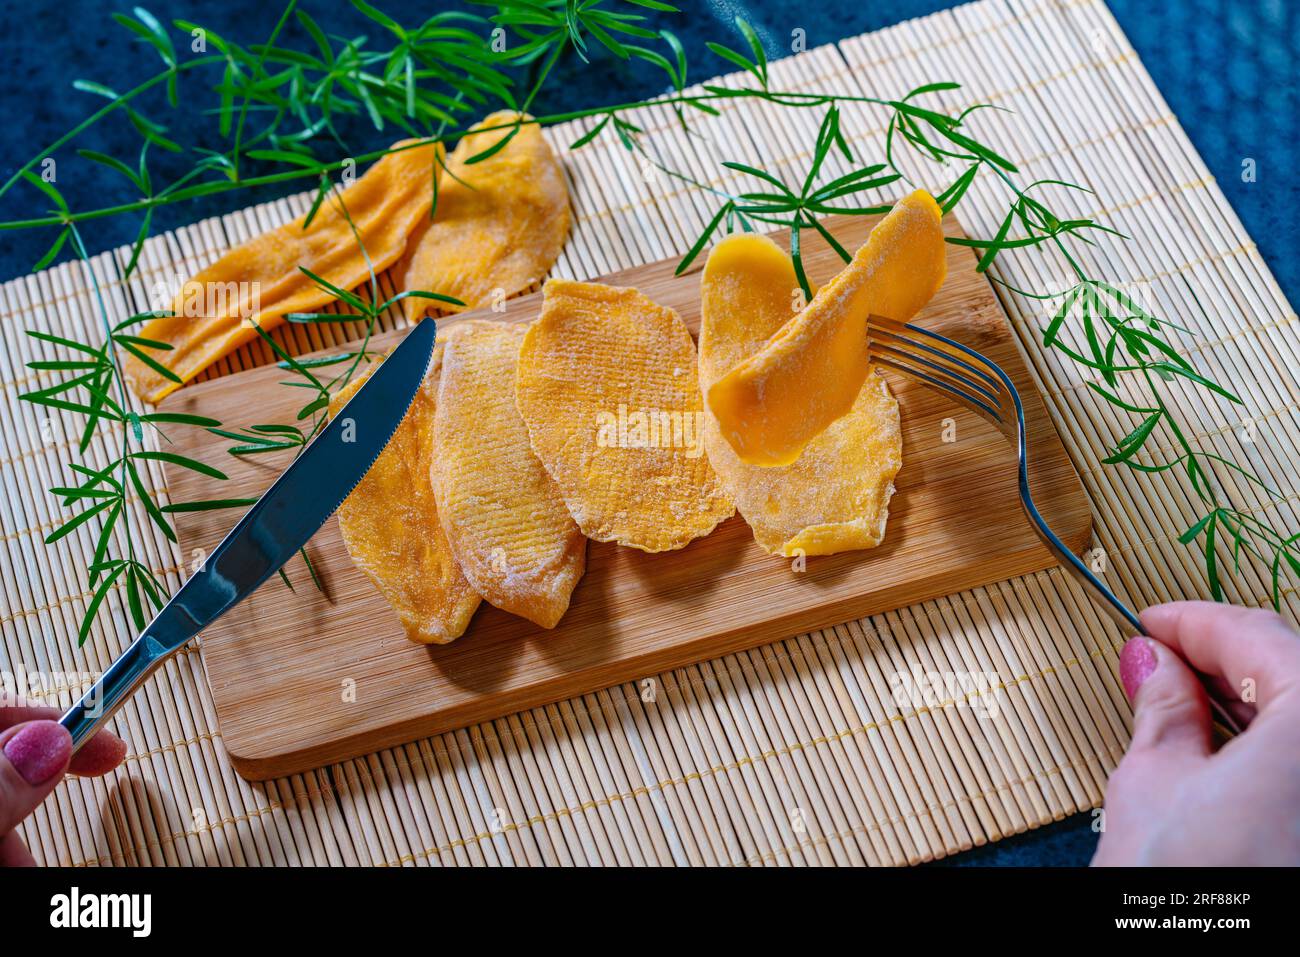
{"x": 979, "y": 383}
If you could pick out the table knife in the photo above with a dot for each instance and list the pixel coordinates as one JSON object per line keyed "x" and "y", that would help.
{"x": 272, "y": 531}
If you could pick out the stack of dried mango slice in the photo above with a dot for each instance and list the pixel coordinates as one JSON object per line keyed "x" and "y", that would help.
{"x": 261, "y": 281}
{"x": 499, "y": 226}
{"x": 591, "y": 421}
{"x": 599, "y": 419}
{"x": 801, "y": 428}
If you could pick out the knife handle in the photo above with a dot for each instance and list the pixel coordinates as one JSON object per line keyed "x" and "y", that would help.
{"x": 97, "y": 705}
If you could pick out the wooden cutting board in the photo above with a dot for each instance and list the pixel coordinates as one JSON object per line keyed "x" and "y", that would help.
{"x": 302, "y": 679}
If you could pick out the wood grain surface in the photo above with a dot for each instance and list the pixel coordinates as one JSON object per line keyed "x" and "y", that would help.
{"x": 302, "y": 679}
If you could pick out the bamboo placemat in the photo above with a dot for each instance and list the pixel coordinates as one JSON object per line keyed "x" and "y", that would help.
{"x": 789, "y": 754}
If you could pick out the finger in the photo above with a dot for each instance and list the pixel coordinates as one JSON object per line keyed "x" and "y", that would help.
{"x": 33, "y": 757}
{"x": 1171, "y": 712}
{"x": 98, "y": 756}
{"x": 1229, "y": 699}
{"x": 20, "y": 712}
{"x": 1250, "y": 648}
{"x": 14, "y": 853}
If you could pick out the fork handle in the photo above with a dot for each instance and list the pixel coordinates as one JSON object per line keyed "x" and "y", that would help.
{"x": 123, "y": 676}
{"x": 1105, "y": 598}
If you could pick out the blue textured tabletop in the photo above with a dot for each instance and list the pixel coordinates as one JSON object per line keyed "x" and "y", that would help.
{"x": 1227, "y": 68}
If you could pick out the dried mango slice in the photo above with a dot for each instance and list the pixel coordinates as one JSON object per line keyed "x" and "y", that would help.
{"x": 260, "y": 282}
{"x": 390, "y": 526}
{"x": 608, "y": 387}
{"x": 499, "y": 225}
{"x": 502, "y": 513}
{"x": 835, "y": 496}
{"x": 811, "y": 371}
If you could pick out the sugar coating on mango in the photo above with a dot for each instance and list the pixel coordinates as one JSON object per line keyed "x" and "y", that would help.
{"x": 499, "y": 224}
{"x": 390, "y": 525}
{"x": 259, "y": 282}
{"x": 835, "y": 496}
{"x": 503, "y": 514}
{"x": 811, "y": 371}
{"x": 608, "y": 388}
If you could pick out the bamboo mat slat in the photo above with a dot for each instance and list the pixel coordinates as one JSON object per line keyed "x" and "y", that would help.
{"x": 797, "y": 752}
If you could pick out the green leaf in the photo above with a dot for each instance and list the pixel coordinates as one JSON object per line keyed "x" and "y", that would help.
{"x": 352, "y": 300}
{"x": 82, "y": 492}
{"x": 826, "y": 136}
{"x": 311, "y": 570}
{"x": 1187, "y": 373}
{"x": 194, "y": 465}
{"x": 755, "y": 45}
{"x": 90, "y": 411}
{"x": 306, "y": 317}
{"x": 1131, "y": 443}
{"x": 382, "y": 19}
{"x": 53, "y": 251}
{"x": 115, "y": 164}
{"x": 43, "y": 365}
{"x": 733, "y": 57}
{"x": 101, "y": 542}
{"x": 759, "y": 174}
{"x": 1159, "y": 344}
{"x": 607, "y": 41}
{"x": 76, "y": 522}
{"x": 150, "y": 361}
{"x": 209, "y": 505}
{"x": 1212, "y": 562}
{"x": 1052, "y": 332}
{"x": 96, "y": 600}
{"x": 179, "y": 418}
{"x": 150, "y": 506}
{"x": 321, "y": 192}
{"x": 1117, "y": 401}
{"x": 138, "y": 246}
{"x": 679, "y": 52}
{"x": 495, "y": 148}
{"x": 703, "y": 239}
{"x": 421, "y": 294}
{"x": 796, "y": 259}
{"x": 320, "y": 361}
{"x": 66, "y": 343}
{"x": 47, "y": 188}
{"x": 831, "y": 241}
{"x": 141, "y": 341}
{"x": 999, "y": 243}
{"x": 284, "y": 156}
{"x": 933, "y": 88}
{"x": 312, "y": 407}
{"x": 240, "y": 437}
{"x": 133, "y": 599}
{"x": 1190, "y": 535}
{"x": 951, "y": 196}
{"x": 979, "y": 149}
{"x": 590, "y": 135}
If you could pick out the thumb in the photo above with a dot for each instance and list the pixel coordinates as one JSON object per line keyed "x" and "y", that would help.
{"x": 33, "y": 758}
{"x": 1171, "y": 713}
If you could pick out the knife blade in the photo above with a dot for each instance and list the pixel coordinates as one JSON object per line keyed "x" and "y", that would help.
{"x": 272, "y": 530}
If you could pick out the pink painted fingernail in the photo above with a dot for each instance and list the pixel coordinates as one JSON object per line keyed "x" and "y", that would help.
{"x": 39, "y": 751}
{"x": 1137, "y": 662}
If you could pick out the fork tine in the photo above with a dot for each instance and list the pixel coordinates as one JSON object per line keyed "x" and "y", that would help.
{"x": 940, "y": 348}
{"x": 943, "y": 370}
{"x": 901, "y": 347}
{"x": 897, "y": 361}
